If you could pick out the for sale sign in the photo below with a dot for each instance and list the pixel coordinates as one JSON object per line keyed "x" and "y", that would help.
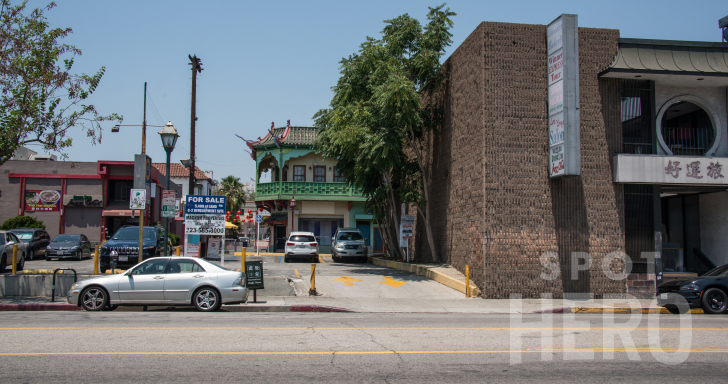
{"x": 205, "y": 224}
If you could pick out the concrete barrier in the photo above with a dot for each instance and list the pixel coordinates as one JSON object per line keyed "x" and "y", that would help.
{"x": 424, "y": 270}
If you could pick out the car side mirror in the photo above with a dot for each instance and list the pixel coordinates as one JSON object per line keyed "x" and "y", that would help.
{"x": 333, "y": 240}
{"x": 108, "y": 237}
{"x": 366, "y": 239}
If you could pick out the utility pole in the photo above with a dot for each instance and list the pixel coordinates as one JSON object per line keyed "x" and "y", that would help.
{"x": 144, "y": 153}
{"x": 196, "y": 67}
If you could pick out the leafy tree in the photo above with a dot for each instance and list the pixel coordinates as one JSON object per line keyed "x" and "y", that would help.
{"x": 232, "y": 188}
{"x": 174, "y": 239}
{"x": 40, "y": 99}
{"x": 22, "y": 222}
{"x": 376, "y": 125}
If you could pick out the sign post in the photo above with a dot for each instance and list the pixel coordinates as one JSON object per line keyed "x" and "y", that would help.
{"x": 204, "y": 215}
{"x": 405, "y": 232}
{"x": 168, "y": 202}
{"x": 138, "y": 201}
{"x": 254, "y": 277}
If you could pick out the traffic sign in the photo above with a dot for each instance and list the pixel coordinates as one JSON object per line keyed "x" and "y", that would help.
{"x": 168, "y": 211}
{"x": 138, "y": 199}
{"x": 258, "y": 218}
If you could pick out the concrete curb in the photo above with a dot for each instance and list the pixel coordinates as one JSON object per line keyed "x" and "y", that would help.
{"x": 39, "y": 307}
{"x": 427, "y": 272}
{"x": 615, "y": 310}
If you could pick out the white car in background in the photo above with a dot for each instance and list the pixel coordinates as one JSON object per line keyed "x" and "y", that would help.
{"x": 7, "y": 240}
{"x": 301, "y": 245}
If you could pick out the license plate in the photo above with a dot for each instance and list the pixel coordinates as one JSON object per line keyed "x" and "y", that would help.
{"x": 300, "y": 246}
{"x": 663, "y": 296}
{"x": 123, "y": 258}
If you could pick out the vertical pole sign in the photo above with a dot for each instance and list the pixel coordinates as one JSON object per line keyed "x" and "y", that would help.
{"x": 562, "y": 37}
{"x": 169, "y": 199}
{"x": 204, "y": 215}
{"x": 405, "y": 232}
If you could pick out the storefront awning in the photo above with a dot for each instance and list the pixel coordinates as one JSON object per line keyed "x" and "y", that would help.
{"x": 119, "y": 208}
{"x": 277, "y": 218}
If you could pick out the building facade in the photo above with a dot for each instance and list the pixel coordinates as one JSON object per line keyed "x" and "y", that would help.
{"x": 90, "y": 198}
{"x": 653, "y": 149}
{"x": 323, "y": 202}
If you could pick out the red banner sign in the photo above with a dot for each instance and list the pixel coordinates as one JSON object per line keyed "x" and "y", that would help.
{"x": 42, "y": 200}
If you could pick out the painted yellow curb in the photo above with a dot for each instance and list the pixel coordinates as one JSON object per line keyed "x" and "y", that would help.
{"x": 40, "y": 272}
{"x": 627, "y": 310}
{"x": 427, "y": 272}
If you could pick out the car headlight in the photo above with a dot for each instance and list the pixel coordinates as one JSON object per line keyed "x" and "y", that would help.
{"x": 339, "y": 246}
{"x": 49, "y": 247}
{"x": 75, "y": 285}
{"x": 363, "y": 246}
{"x": 690, "y": 287}
{"x": 74, "y": 248}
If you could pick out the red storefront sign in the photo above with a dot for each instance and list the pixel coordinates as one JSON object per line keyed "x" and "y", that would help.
{"x": 42, "y": 200}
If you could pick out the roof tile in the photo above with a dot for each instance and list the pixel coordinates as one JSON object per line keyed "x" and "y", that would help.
{"x": 179, "y": 170}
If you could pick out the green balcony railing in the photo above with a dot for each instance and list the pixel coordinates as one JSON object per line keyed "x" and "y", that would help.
{"x": 305, "y": 188}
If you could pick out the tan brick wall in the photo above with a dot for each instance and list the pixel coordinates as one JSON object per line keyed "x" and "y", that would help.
{"x": 502, "y": 204}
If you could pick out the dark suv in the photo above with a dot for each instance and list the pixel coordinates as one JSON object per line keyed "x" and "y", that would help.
{"x": 36, "y": 240}
{"x": 348, "y": 243}
{"x": 126, "y": 244}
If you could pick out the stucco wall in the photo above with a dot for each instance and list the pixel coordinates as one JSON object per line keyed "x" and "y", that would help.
{"x": 712, "y": 98}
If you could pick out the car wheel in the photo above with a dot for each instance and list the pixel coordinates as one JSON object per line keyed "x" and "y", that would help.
{"x": 80, "y": 256}
{"x": 94, "y": 299}
{"x": 31, "y": 253}
{"x": 21, "y": 262}
{"x": 3, "y": 263}
{"x": 48, "y": 258}
{"x": 110, "y": 307}
{"x": 206, "y": 299}
{"x": 677, "y": 309}
{"x": 714, "y": 301}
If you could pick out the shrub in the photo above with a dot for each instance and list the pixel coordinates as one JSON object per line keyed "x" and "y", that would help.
{"x": 174, "y": 239}
{"x": 22, "y": 222}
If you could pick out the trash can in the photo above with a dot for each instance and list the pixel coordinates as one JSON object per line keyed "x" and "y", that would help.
{"x": 245, "y": 243}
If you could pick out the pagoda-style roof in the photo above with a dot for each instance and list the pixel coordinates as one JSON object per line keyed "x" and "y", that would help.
{"x": 303, "y": 136}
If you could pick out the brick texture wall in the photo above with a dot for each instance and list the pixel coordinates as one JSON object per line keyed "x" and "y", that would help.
{"x": 494, "y": 206}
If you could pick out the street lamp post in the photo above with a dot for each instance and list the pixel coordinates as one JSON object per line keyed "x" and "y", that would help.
{"x": 293, "y": 213}
{"x": 169, "y": 139}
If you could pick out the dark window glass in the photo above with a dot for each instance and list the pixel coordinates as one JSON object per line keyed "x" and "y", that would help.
{"x": 337, "y": 176}
{"x": 299, "y": 173}
{"x": 637, "y": 116}
{"x": 350, "y": 236}
{"x": 639, "y": 218}
{"x": 62, "y": 238}
{"x": 721, "y": 271}
{"x": 302, "y": 239}
{"x": 133, "y": 234}
{"x": 687, "y": 129}
{"x": 319, "y": 174}
{"x": 184, "y": 266}
{"x": 151, "y": 267}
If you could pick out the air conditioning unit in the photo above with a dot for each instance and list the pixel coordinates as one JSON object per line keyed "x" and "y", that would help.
{"x": 43, "y": 157}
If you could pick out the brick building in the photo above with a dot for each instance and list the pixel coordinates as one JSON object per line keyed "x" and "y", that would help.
{"x": 495, "y": 206}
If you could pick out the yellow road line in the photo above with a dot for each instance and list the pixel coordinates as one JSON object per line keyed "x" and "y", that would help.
{"x": 297, "y": 275}
{"x": 557, "y": 350}
{"x": 369, "y": 328}
{"x": 321, "y": 259}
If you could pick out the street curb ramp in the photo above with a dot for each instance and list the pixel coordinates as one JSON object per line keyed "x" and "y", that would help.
{"x": 427, "y": 272}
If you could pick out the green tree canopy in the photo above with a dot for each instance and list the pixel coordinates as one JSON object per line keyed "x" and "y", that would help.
{"x": 232, "y": 188}
{"x": 41, "y": 99}
{"x": 376, "y": 124}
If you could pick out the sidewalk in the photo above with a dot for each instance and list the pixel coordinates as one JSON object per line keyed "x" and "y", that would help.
{"x": 379, "y": 305}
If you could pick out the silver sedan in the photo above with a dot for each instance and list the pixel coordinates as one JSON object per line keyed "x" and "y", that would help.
{"x": 163, "y": 281}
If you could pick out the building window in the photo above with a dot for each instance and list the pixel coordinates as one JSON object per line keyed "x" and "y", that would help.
{"x": 687, "y": 130}
{"x": 319, "y": 174}
{"x": 121, "y": 190}
{"x": 285, "y": 173}
{"x": 637, "y": 116}
{"x": 299, "y": 173}
{"x": 338, "y": 178}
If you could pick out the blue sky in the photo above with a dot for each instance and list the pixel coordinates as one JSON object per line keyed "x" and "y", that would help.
{"x": 270, "y": 61}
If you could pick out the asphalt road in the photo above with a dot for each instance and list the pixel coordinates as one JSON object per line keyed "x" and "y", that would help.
{"x": 186, "y": 346}
{"x": 344, "y": 280}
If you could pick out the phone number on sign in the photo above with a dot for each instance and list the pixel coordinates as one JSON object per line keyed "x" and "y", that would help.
{"x": 205, "y": 231}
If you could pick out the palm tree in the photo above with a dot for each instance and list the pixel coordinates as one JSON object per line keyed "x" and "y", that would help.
{"x": 232, "y": 188}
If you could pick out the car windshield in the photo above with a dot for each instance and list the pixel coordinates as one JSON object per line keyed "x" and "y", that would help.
{"x": 721, "y": 271}
{"x": 133, "y": 234}
{"x": 66, "y": 238}
{"x": 302, "y": 238}
{"x": 350, "y": 236}
{"x": 24, "y": 236}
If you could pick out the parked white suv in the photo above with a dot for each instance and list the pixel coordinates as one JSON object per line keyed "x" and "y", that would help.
{"x": 301, "y": 245}
{"x": 348, "y": 244}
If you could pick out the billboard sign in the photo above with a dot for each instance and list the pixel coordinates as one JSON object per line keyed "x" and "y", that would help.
{"x": 42, "y": 200}
{"x": 562, "y": 39}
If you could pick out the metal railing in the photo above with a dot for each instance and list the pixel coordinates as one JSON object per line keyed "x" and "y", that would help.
{"x": 688, "y": 141}
{"x": 306, "y": 188}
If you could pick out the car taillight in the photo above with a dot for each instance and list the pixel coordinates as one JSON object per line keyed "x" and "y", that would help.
{"x": 290, "y": 243}
{"x": 313, "y": 244}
